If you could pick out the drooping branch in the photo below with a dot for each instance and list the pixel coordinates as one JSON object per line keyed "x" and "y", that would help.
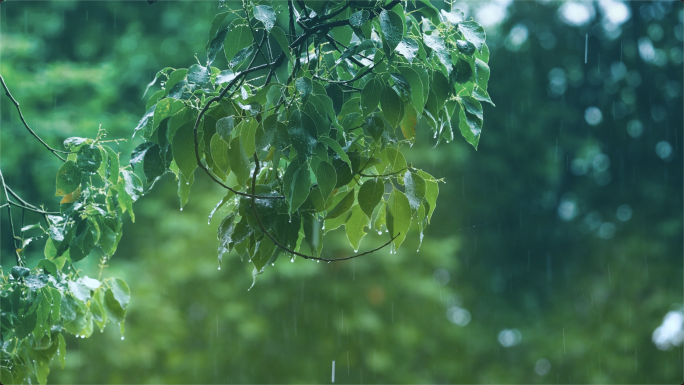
{"x": 21, "y": 116}
{"x": 285, "y": 248}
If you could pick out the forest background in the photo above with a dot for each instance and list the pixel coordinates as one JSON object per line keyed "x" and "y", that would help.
{"x": 555, "y": 251}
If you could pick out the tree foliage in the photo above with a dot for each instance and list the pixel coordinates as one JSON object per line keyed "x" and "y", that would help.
{"x": 299, "y": 155}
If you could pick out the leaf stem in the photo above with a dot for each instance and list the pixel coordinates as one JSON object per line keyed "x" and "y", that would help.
{"x": 20, "y": 262}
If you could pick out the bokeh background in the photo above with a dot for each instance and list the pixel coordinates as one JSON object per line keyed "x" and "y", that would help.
{"x": 554, "y": 255}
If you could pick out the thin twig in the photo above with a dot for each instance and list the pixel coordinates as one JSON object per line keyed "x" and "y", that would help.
{"x": 21, "y": 116}
{"x": 20, "y": 262}
{"x": 384, "y": 175}
{"x": 32, "y": 209}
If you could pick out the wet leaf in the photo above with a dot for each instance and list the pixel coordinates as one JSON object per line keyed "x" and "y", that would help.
{"x": 355, "y": 226}
{"x": 370, "y": 96}
{"x": 398, "y": 214}
{"x": 183, "y": 147}
{"x": 238, "y": 161}
{"x": 415, "y": 189}
{"x": 345, "y": 204}
{"x": 392, "y": 27}
{"x": 473, "y": 32}
{"x": 392, "y": 106}
{"x": 327, "y": 178}
{"x": 68, "y": 178}
{"x": 266, "y": 15}
{"x": 302, "y": 131}
{"x": 370, "y": 194}
{"x": 280, "y": 37}
{"x": 89, "y": 159}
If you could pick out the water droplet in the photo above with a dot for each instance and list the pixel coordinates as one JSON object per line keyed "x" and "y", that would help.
{"x": 292, "y": 260}
{"x": 356, "y": 251}
{"x": 181, "y": 209}
{"x": 219, "y": 267}
{"x": 122, "y": 337}
{"x": 318, "y": 261}
{"x": 379, "y": 232}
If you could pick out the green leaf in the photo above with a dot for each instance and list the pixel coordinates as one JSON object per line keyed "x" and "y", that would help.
{"x": 409, "y": 122}
{"x": 429, "y": 11}
{"x": 183, "y": 146}
{"x": 359, "y": 18}
{"x": 219, "y": 155}
{"x": 370, "y": 194}
{"x": 238, "y": 161}
{"x": 146, "y": 118}
{"x": 305, "y": 87}
{"x": 132, "y": 184}
{"x": 416, "y": 85}
{"x": 394, "y": 159}
{"x": 266, "y": 15}
{"x": 327, "y": 178}
{"x": 408, "y": 48}
{"x": 440, "y": 86}
{"x": 215, "y": 25}
{"x": 197, "y": 74}
{"x": 345, "y": 204}
{"x": 241, "y": 56}
{"x": 302, "y": 131}
{"x": 436, "y": 43}
{"x": 313, "y": 233}
{"x": 68, "y": 178}
{"x": 225, "y": 127}
{"x": 225, "y": 76}
{"x": 120, "y": 290}
{"x": 154, "y": 166}
{"x": 165, "y": 108}
{"x": 465, "y": 47}
{"x": 398, "y": 216}
{"x": 89, "y": 159}
{"x": 355, "y": 226}
{"x": 297, "y": 190}
{"x": 431, "y": 191}
{"x": 482, "y": 74}
{"x": 415, "y": 189}
{"x": 392, "y": 27}
{"x": 239, "y": 37}
{"x": 375, "y": 126}
{"x": 392, "y": 106}
{"x": 113, "y": 165}
{"x": 113, "y": 307}
{"x": 281, "y": 38}
{"x": 248, "y": 132}
{"x": 473, "y": 32}
{"x": 370, "y": 96}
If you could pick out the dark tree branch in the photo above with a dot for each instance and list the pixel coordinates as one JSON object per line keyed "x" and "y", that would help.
{"x": 21, "y": 116}
{"x": 384, "y": 175}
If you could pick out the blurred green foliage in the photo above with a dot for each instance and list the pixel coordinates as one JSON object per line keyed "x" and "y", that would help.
{"x": 584, "y": 293}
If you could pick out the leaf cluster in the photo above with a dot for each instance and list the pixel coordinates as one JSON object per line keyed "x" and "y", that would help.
{"x": 321, "y": 149}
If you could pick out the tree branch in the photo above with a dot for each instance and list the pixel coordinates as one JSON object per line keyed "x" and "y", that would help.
{"x": 11, "y": 222}
{"x": 21, "y": 116}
